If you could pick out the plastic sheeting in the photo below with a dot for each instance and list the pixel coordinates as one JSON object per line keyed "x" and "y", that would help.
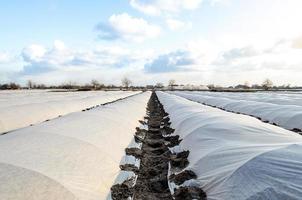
{"x": 286, "y": 116}
{"x": 236, "y": 156}
{"x": 73, "y": 157}
{"x": 19, "y": 109}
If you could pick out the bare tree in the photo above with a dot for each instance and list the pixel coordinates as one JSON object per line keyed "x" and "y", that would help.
{"x": 126, "y": 82}
{"x": 69, "y": 85}
{"x": 159, "y": 85}
{"x": 246, "y": 85}
{"x": 95, "y": 84}
{"x": 211, "y": 86}
{"x": 267, "y": 84}
{"x": 171, "y": 84}
{"x": 30, "y": 84}
{"x": 14, "y": 86}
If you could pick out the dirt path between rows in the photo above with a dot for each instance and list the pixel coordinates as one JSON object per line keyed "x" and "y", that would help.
{"x": 151, "y": 180}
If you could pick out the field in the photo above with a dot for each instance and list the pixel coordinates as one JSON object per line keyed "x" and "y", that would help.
{"x": 282, "y": 109}
{"x": 125, "y": 145}
{"x": 23, "y": 108}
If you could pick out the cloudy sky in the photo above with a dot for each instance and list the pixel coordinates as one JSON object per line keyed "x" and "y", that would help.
{"x": 224, "y": 42}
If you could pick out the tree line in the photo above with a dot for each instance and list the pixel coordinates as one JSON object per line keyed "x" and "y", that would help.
{"x": 93, "y": 85}
{"x": 126, "y": 83}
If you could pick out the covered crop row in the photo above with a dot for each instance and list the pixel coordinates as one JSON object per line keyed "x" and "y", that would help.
{"x": 235, "y": 156}
{"x": 76, "y": 156}
{"x": 22, "y": 109}
{"x": 286, "y": 116}
{"x": 279, "y": 98}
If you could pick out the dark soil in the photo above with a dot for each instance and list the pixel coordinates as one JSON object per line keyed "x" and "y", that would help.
{"x": 183, "y": 176}
{"x": 152, "y": 182}
{"x": 189, "y": 193}
{"x": 123, "y": 191}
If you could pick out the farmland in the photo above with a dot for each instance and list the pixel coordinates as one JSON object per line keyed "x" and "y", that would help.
{"x": 23, "y": 108}
{"x": 283, "y": 109}
{"x": 151, "y": 100}
{"x": 150, "y": 145}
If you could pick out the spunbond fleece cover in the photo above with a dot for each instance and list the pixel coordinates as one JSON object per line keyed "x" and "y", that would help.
{"x": 235, "y": 156}
{"x": 76, "y": 156}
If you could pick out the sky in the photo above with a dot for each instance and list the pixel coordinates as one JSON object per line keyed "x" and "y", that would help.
{"x": 221, "y": 42}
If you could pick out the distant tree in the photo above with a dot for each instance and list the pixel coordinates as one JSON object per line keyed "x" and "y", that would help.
{"x": 35, "y": 86}
{"x": 4, "y": 86}
{"x": 111, "y": 86}
{"x": 95, "y": 84}
{"x": 29, "y": 84}
{"x": 126, "y": 82}
{"x": 267, "y": 84}
{"x": 14, "y": 86}
{"x": 256, "y": 86}
{"x": 69, "y": 85}
{"x": 159, "y": 85}
{"x": 40, "y": 86}
{"x": 246, "y": 85}
{"x": 171, "y": 84}
{"x": 211, "y": 86}
{"x": 10, "y": 86}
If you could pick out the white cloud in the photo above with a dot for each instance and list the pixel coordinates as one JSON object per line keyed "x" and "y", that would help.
{"x": 59, "y": 45}
{"x": 4, "y": 57}
{"x": 171, "y": 62}
{"x": 220, "y": 2}
{"x": 157, "y": 7}
{"x": 192, "y": 63}
{"x": 234, "y": 54}
{"x": 149, "y": 9}
{"x": 280, "y": 56}
{"x": 60, "y": 63}
{"x": 272, "y": 21}
{"x": 175, "y": 25}
{"x": 33, "y": 52}
{"x": 9, "y": 64}
{"x": 196, "y": 56}
{"x": 126, "y": 27}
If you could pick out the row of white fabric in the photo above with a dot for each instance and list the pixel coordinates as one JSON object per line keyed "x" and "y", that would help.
{"x": 286, "y": 116}
{"x": 236, "y": 156}
{"x": 275, "y": 97}
{"x": 22, "y": 108}
{"x": 76, "y": 156}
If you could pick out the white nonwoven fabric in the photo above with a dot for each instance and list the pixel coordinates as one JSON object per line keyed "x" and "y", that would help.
{"x": 235, "y": 156}
{"x": 19, "y": 109}
{"x": 286, "y": 116}
{"x": 76, "y": 156}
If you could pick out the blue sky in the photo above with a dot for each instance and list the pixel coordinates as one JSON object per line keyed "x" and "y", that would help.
{"x": 224, "y": 42}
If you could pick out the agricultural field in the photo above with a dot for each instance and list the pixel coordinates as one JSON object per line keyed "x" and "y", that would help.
{"x": 168, "y": 145}
{"x": 234, "y": 156}
{"x": 75, "y": 156}
{"x": 23, "y": 108}
{"x": 151, "y": 100}
{"x": 279, "y": 108}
